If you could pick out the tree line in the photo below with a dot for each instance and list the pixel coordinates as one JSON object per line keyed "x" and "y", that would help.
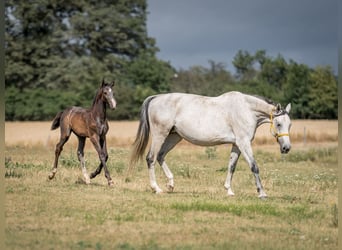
{"x": 58, "y": 52}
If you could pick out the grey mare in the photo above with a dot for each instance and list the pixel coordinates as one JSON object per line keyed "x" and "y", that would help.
{"x": 232, "y": 117}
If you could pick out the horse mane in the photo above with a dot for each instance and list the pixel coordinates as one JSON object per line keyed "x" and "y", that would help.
{"x": 267, "y": 100}
{"x": 282, "y": 111}
{"x": 96, "y": 95}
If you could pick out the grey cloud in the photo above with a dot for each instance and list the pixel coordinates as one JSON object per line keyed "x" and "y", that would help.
{"x": 191, "y": 32}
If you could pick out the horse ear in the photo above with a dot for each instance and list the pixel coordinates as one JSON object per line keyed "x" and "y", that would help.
{"x": 278, "y": 108}
{"x": 103, "y": 82}
{"x": 288, "y": 108}
{"x": 112, "y": 84}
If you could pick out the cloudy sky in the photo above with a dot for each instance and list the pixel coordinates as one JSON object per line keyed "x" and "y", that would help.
{"x": 191, "y": 32}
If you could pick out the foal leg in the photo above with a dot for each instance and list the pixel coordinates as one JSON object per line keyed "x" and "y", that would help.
{"x": 80, "y": 155}
{"x": 99, "y": 168}
{"x": 101, "y": 148}
{"x": 59, "y": 147}
{"x": 169, "y": 143}
{"x": 246, "y": 150}
{"x": 234, "y": 156}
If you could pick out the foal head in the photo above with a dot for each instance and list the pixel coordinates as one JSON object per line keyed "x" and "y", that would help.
{"x": 106, "y": 94}
{"x": 280, "y": 127}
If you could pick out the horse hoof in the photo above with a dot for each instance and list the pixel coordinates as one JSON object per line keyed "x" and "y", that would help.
{"x": 230, "y": 193}
{"x": 51, "y": 176}
{"x": 170, "y": 188}
{"x": 157, "y": 191}
{"x": 111, "y": 183}
{"x": 263, "y": 197}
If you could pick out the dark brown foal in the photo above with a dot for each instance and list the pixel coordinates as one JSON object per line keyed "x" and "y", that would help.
{"x": 91, "y": 123}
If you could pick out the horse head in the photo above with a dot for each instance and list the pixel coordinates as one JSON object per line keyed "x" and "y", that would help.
{"x": 280, "y": 127}
{"x": 107, "y": 94}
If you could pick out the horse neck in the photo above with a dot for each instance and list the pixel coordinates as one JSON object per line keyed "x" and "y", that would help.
{"x": 99, "y": 108}
{"x": 262, "y": 110}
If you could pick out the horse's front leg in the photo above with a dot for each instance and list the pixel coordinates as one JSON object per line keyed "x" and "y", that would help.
{"x": 234, "y": 156}
{"x": 246, "y": 150}
{"x": 80, "y": 155}
{"x": 101, "y": 148}
{"x": 99, "y": 168}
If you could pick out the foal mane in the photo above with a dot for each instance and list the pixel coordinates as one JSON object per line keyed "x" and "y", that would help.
{"x": 96, "y": 96}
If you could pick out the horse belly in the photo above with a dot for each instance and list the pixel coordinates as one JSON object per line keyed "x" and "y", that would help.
{"x": 206, "y": 135}
{"x": 79, "y": 125}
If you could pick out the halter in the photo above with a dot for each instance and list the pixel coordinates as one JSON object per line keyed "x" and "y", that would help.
{"x": 273, "y": 131}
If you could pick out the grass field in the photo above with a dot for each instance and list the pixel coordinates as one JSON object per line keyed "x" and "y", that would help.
{"x": 300, "y": 213}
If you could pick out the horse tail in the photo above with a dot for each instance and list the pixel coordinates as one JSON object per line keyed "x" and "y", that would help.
{"x": 143, "y": 133}
{"x": 56, "y": 120}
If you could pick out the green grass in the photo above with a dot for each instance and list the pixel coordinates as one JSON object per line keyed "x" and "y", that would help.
{"x": 300, "y": 213}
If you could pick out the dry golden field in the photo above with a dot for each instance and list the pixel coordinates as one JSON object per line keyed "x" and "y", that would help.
{"x": 122, "y": 133}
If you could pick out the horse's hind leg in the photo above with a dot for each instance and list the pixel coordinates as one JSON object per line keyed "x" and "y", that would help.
{"x": 169, "y": 143}
{"x": 65, "y": 134}
{"x": 151, "y": 158}
{"x": 234, "y": 156}
{"x": 80, "y": 155}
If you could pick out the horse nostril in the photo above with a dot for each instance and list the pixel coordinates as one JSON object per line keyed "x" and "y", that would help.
{"x": 286, "y": 149}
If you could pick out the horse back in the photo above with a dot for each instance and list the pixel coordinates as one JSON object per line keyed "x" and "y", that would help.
{"x": 203, "y": 120}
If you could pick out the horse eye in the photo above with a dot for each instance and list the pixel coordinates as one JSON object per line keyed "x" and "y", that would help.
{"x": 278, "y": 125}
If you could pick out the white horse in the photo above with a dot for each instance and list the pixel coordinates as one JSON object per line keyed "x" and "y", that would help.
{"x": 232, "y": 117}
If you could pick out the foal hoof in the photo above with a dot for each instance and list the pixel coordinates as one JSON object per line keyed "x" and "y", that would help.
{"x": 51, "y": 175}
{"x": 111, "y": 183}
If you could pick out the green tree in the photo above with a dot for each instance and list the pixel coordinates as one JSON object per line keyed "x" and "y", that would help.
{"x": 148, "y": 71}
{"x": 244, "y": 65}
{"x": 273, "y": 71}
{"x": 192, "y": 80}
{"x": 112, "y": 27}
{"x": 61, "y": 47}
{"x": 296, "y": 89}
{"x": 45, "y": 35}
{"x": 323, "y": 93}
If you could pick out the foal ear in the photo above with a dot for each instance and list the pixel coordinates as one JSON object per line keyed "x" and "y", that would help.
{"x": 103, "y": 82}
{"x": 112, "y": 84}
{"x": 288, "y": 108}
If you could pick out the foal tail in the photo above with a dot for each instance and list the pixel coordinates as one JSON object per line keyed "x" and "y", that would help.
{"x": 56, "y": 121}
{"x": 143, "y": 133}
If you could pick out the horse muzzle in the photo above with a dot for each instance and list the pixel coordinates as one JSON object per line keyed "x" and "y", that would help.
{"x": 112, "y": 104}
{"x": 284, "y": 149}
{"x": 284, "y": 143}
